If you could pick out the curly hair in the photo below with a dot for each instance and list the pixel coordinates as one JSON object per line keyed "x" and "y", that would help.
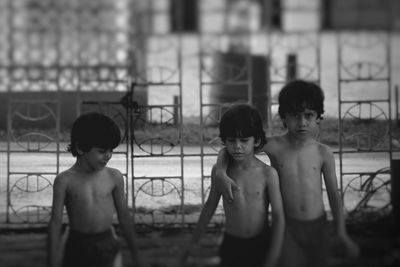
{"x": 298, "y": 95}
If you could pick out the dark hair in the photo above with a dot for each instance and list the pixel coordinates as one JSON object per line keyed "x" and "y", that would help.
{"x": 93, "y": 130}
{"x": 242, "y": 120}
{"x": 298, "y": 95}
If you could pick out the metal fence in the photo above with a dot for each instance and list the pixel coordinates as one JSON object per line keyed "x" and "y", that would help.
{"x": 61, "y": 58}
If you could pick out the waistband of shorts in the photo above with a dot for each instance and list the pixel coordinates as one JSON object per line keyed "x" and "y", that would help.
{"x": 318, "y": 219}
{"x": 262, "y": 235}
{"x": 102, "y": 234}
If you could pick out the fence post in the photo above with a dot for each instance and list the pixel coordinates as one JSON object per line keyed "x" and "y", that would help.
{"x": 176, "y": 110}
{"x": 396, "y": 99}
{"x": 395, "y": 188}
{"x": 291, "y": 67}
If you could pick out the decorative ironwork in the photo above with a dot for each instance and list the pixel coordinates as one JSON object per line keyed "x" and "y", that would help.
{"x": 157, "y": 134}
{"x": 26, "y": 188}
{"x": 364, "y": 130}
{"x": 84, "y": 46}
{"x": 26, "y": 121}
{"x": 364, "y": 96}
{"x": 33, "y": 130}
{"x": 305, "y": 46}
{"x": 368, "y": 191}
{"x": 158, "y": 213}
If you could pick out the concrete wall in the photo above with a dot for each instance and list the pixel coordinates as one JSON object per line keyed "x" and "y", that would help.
{"x": 361, "y": 14}
{"x": 69, "y": 102}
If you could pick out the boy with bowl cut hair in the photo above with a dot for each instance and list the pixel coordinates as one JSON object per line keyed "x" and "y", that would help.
{"x": 249, "y": 239}
{"x": 91, "y": 193}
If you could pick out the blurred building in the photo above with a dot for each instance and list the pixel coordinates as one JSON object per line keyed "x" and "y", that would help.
{"x": 75, "y": 50}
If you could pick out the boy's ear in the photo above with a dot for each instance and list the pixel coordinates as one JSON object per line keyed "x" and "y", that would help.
{"x": 257, "y": 142}
{"x": 284, "y": 122}
{"x": 79, "y": 150}
{"x": 319, "y": 119}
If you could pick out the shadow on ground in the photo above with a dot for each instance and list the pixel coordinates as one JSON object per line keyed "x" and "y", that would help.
{"x": 377, "y": 236}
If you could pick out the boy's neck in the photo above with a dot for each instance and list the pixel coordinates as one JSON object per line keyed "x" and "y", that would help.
{"x": 81, "y": 166}
{"x": 243, "y": 164}
{"x": 297, "y": 140}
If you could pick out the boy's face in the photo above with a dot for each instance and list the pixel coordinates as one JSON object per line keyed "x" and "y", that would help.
{"x": 240, "y": 148}
{"x": 96, "y": 158}
{"x": 302, "y": 124}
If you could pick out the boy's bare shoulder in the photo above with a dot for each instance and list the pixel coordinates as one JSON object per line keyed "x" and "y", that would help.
{"x": 63, "y": 179}
{"x": 114, "y": 173}
{"x": 268, "y": 170}
{"x": 270, "y": 175}
{"x": 324, "y": 150}
{"x": 65, "y": 175}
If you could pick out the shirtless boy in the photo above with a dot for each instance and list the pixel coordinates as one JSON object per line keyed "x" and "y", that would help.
{"x": 249, "y": 239}
{"x": 91, "y": 193}
{"x": 301, "y": 163}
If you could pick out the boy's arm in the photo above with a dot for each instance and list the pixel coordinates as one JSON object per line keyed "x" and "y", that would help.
{"x": 54, "y": 256}
{"x": 125, "y": 219}
{"x": 330, "y": 179}
{"x": 206, "y": 214}
{"x": 278, "y": 219}
{"x": 224, "y": 184}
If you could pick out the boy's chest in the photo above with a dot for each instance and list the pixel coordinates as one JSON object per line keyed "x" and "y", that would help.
{"x": 252, "y": 185}
{"x": 296, "y": 160}
{"x": 90, "y": 191}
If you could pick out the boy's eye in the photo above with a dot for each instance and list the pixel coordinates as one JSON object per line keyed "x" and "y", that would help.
{"x": 307, "y": 115}
{"x": 310, "y": 115}
{"x": 103, "y": 150}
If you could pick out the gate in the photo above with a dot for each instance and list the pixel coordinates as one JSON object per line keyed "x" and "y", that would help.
{"x": 34, "y": 128}
{"x": 117, "y": 58}
{"x": 243, "y": 59}
{"x": 365, "y": 122}
{"x": 151, "y": 154}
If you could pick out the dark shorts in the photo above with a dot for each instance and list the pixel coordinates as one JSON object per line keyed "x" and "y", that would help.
{"x": 97, "y": 250}
{"x": 244, "y": 252}
{"x": 305, "y": 243}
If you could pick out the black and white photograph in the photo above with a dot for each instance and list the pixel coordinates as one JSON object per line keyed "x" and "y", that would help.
{"x": 199, "y": 133}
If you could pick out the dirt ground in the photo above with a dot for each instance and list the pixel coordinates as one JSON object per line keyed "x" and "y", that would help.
{"x": 378, "y": 238}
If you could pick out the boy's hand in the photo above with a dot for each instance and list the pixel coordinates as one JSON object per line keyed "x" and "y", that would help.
{"x": 227, "y": 186}
{"x": 351, "y": 249}
{"x": 185, "y": 255}
{"x": 139, "y": 262}
{"x": 270, "y": 263}
{"x": 183, "y": 259}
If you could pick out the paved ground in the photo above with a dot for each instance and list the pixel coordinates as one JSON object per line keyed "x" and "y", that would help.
{"x": 378, "y": 238}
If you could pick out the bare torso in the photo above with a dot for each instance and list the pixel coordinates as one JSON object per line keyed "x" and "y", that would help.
{"x": 247, "y": 215}
{"x": 89, "y": 200}
{"x": 299, "y": 168}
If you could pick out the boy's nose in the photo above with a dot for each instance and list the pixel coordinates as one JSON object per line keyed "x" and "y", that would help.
{"x": 302, "y": 120}
{"x": 237, "y": 143}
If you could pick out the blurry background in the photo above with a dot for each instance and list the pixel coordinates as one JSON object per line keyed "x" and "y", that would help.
{"x": 167, "y": 69}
